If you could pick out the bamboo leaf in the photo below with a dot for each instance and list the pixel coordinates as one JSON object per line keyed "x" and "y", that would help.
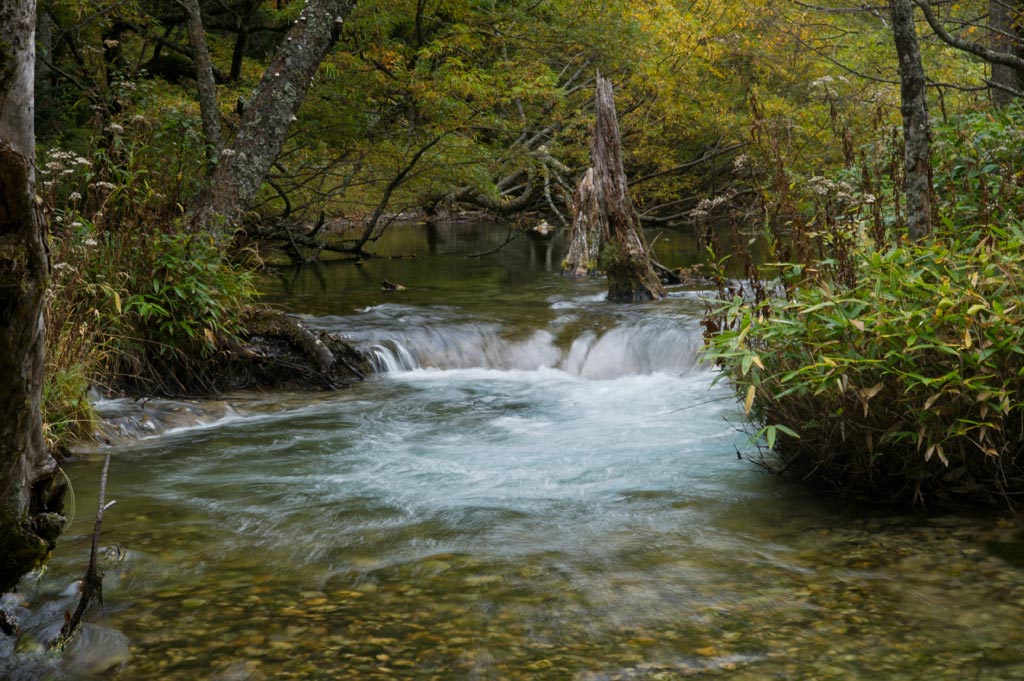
{"x": 787, "y": 430}
{"x": 749, "y": 401}
{"x": 745, "y": 364}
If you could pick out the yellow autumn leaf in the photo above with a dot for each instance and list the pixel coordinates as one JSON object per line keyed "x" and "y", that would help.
{"x": 117, "y": 302}
{"x": 749, "y": 401}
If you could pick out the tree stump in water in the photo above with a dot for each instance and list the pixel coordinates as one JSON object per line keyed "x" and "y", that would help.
{"x": 623, "y": 253}
{"x": 588, "y": 225}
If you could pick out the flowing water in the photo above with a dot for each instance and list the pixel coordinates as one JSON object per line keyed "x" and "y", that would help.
{"x": 538, "y": 484}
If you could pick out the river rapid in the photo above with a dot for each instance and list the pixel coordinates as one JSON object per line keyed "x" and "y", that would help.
{"x": 537, "y": 484}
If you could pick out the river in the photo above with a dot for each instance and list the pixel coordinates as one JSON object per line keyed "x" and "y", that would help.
{"x": 538, "y": 484}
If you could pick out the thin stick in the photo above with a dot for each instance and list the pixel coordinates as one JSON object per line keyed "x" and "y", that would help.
{"x": 92, "y": 584}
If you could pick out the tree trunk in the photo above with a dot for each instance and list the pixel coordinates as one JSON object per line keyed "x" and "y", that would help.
{"x": 631, "y": 278}
{"x": 208, "y": 108}
{"x": 916, "y": 128}
{"x": 269, "y": 114}
{"x": 588, "y": 224}
{"x": 1006, "y": 19}
{"x": 238, "y": 53}
{"x": 27, "y": 531}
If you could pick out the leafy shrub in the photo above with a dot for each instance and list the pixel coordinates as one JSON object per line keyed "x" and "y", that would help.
{"x": 137, "y": 303}
{"x": 900, "y": 374}
{"x": 170, "y": 309}
{"x": 909, "y": 383}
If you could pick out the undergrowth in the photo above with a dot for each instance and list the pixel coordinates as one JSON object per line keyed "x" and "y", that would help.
{"x": 139, "y": 303}
{"x": 888, "y": 369}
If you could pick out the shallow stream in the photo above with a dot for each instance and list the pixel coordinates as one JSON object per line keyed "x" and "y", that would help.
{"x": 539, "y": 484}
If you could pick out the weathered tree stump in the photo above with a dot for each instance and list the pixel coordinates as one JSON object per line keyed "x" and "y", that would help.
{"x": 603, "y": 206}
{"x": 588, "y": 225}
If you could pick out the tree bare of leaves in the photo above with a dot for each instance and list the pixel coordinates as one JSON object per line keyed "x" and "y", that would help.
{"x": 90, "y": 591}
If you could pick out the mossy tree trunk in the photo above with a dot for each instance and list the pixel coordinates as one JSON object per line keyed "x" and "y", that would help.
{"x": 27, "y": 529}
{"x": 916, "y": 127}
{"x": 624, "y": 258}
{"x": 268, "y": 115}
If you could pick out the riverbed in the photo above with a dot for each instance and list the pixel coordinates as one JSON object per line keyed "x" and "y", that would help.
{"x": 536, "y": 484}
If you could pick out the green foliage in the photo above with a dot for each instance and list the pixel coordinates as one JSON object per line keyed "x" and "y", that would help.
{"x": 137, "y": 301}
{"x": 904, "y": 379}
{"x": 172, "y": 310}
{"x": 981, "y": 176}
{"x": 67, "y": 411}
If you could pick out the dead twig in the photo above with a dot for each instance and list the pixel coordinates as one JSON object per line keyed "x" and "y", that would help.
{"x": 91, "y": 591}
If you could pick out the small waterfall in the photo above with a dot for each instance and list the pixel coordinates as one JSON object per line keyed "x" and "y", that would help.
{"x": 662, "y": 346}
{"x": 668, "y": 348}
{"x": 391, "y": 357}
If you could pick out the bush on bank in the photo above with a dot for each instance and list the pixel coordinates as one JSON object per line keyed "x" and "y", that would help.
{"x": 909, "y": 384}
{"x": 138, "y": 303}
{"x": 900, "y": 375}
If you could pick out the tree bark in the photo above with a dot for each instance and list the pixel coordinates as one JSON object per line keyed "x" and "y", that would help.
{"x": 588, "y": 224}
{"x": 631, "y": 278}
{"x": 266, "y": 119}
{"x": 208, "y": 108}
{"x": 27, "y": 530}
{"x": 916, "y": 127}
